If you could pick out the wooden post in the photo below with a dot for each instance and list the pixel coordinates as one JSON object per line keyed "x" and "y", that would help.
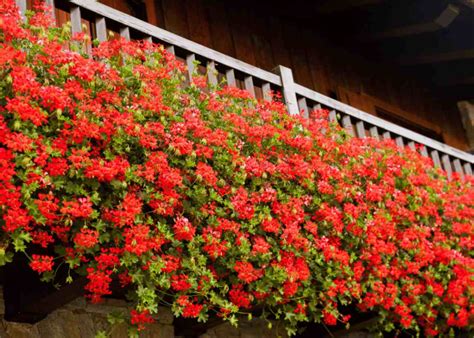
{"x": 22, "y": 7}
{"x": 288, "y": 89}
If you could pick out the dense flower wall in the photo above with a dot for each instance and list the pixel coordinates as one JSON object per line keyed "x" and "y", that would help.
{"x": 214, "y": 203}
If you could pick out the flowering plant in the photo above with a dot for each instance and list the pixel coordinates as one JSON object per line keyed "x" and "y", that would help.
{"x": 212, "y": 202}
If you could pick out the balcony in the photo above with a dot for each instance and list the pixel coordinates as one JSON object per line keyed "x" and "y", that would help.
{"x": 103, "y": 21}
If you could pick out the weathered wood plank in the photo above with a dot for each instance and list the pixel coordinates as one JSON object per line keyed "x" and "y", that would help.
{"x": 212, "y": 73}
{"x": 457, "y": 166}
{"x": 248, "y": 83}
{"x": 399, "y": 141}
{"x": 424, "y": 151}
{"x": 447, "y": 164}
{"x": 190, "y": 58}
{"x": 303, "y": 106}
{"x": 22, "y": 7}
{"x": 360, "y": 128}
{"x": 101, "y": 28}
{"x": 332, "y": 116}
{"x": 435, "y": 158}
{"x": 374, "y": 132}
{"x": 266, "y": 89}
{"x": 125, "y": 33}
{"x": 76, "y": 24}
{"x": 288, "y": 89}
{"x": 347, "y": 124}
{"x": 468, "y": 168}
{"x": 230, "y": 77}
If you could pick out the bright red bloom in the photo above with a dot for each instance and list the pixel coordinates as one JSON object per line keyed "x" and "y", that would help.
{"x": 140, "y": 319}
{"x": 183, "y": 229}
{"x": 41, "y": 263}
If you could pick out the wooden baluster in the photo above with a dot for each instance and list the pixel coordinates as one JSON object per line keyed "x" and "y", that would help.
{"x": 125, "y": 33}
{"x": 248, "y": 83}
{"x": 190, "y": 58}
{"x": 266, "y": 90}
{"x": 347, "y": 124}
{"x": 22, "y": 7}
{"x": 435, "y": 158}
{"x": 411, "y": 145}
{"x": 424, "y": 151}
{"x": 303, "y": 106}
{"x": 50, "y": 3}
{"x": 230, "y": 77}
{"x": 148, "y": 39}
{"x": 467, "y": 168}
{"x": 447, "y": 165}
{"x": 332, "y": 116}
{"x": 101, "y": 28}
{"x": 399, "y": 141}
{"x": 458, "y": 167}
{"x": 386, "y": 135}
{"x": 76, "y": 24}
{"x": 170, "y": 49}
{"x": 212, "y": 73}
{"x": 288, "y": 89}
{"x": 374, "y": 132}
{"x": 360, "y": 128}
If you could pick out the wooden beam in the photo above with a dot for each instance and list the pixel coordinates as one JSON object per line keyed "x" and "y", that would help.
{"x": 443, "y": 20}
{"x": 402, "y": 18}
{"x": 334, "y": 6}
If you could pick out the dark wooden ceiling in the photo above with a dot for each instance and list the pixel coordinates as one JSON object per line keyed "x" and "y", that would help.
{"x": 432, "y": 39}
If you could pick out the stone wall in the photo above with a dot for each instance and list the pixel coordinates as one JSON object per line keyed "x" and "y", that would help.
{"x": 80, "y": 319}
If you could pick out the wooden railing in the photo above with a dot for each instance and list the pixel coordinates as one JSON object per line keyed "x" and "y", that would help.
{"x": 102, "y": 20}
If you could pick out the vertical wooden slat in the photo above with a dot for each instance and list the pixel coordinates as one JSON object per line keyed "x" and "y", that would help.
{"x": 399, "y": 141}
{"x": 332, "y": 116}
{"x": 101, "y": 29}
{"x": 424, "y": 151}
{"x": 317, "y": 106}
{"x": 347, "y": 124}
{"x": 230, "y": 77}
{"x": 76, "y": 25}
{"x": 468, "y": 168}
{"x": 212, "y": 73}
{"x": 288, "y": 89}
{"x": 190, "y": 64}
{"x": 148, "y": 39}
{"x": 248, "y": 83}
{"x": 411, "y": 145}
{"x": 447, "y": 164}
{"x": 386, "y": 135}
{"x": 303, "y": 106}
{"x": 374, "y": 132}
{"x": 458, "y": 166}
{"x": 170, "y": 49}
{"x": 22, "y": 7}
{"x": 50, "y": 3}
{"x": 435, "y": 158}
{"x": 266, "y": 89}
{"x": 360, "y": 128}
{"x": 125, "y": 33}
